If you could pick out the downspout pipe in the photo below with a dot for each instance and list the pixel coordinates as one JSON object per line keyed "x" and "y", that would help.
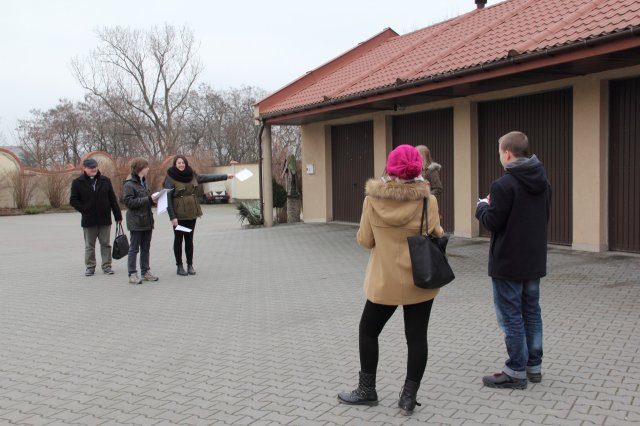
{"x": 509, "y": 60}
{"x": 262, "y": 124}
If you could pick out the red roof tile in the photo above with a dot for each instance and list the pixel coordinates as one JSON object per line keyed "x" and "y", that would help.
{"x": 478, "y": 37}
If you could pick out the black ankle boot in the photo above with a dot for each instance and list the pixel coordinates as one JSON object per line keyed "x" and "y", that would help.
{"x": 181, "y": 270}
{"x": 190, "y": 270}
{"x": 364, "y": 394}
{"x": 407, "y": 401}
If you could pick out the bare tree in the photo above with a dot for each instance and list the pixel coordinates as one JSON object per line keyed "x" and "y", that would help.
{"x": 54, "y": 137}
{"x": 285, "y": 141}
{"x": 67, "y": 126}
{"x": 106, "y": 132}
{"x": 144, "y": 77}
{"x": 36, "y": 140}
{"x": 239, "y": 140}
{"x": 204, "y": 126}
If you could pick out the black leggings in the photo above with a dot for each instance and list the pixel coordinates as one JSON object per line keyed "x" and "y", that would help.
{"x": 188, "y": 241}
{"x": 416, "y": 322}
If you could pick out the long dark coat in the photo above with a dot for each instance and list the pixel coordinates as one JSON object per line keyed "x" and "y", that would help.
{"x": 94, "y": 205}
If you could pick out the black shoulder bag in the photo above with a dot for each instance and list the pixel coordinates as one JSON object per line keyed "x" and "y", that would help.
{"x": 429, "y": 263}
{"x": 120, "y": 243}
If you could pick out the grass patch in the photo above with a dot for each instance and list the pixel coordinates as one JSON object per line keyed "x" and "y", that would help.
{"x": 35, "y": 210}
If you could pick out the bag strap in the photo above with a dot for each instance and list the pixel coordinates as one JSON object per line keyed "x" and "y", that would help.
{"x": 119, "y": 230}
{"x": 423, "y": 217}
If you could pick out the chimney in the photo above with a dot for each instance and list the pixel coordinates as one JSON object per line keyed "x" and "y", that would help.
{"x": 480, "y": 4}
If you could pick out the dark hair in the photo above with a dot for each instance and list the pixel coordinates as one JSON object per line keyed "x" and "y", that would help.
{"x": 137, "y": 164}
{"x": 180, "y": 156}
{"x": 515, "y": 142}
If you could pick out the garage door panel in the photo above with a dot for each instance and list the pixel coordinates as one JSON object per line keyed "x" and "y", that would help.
{"x": 624, "y": 160}
{"x": 352, "y": 164}
{"x": 547, "y": 120}
{"x": 435, "y": 130}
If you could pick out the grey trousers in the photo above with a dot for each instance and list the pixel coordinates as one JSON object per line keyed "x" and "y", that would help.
{"x": 103, "y": 234}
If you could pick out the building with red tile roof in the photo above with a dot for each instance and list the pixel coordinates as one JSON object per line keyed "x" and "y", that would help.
{"x": 564, "y": 71}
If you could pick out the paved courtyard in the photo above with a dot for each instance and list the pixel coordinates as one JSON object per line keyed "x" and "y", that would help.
{"x": 266, "y": 333}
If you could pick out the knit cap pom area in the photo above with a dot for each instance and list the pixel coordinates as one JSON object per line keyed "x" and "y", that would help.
{"x": 404, "y": 162}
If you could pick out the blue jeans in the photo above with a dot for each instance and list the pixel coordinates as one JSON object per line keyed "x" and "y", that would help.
{"x": 519, "y": 317}
{"x": 140, "y": 241}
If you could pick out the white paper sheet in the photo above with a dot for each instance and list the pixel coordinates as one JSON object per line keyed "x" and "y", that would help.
{"x": 182, "y": 228}
{"x": 243, "y": 175}
{"x": 163, "y": 203}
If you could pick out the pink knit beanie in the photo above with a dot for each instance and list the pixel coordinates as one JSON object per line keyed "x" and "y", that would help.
{"x": 404, "y": 162}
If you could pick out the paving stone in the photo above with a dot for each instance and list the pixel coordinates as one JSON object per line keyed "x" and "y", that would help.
{"x": 14, "y": 416}
{"x": 266, "y": 333}
{"x": 119, "y": 416}
{"x": 37, "y": 420}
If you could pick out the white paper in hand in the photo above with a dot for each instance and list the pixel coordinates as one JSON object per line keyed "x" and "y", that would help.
{"x": 243, "y": 175}
{"x": 182, "y": 228}
{"x": 163, "y": 203}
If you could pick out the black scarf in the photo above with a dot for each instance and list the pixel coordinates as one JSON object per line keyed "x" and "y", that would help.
{"x": 181, "y": 176}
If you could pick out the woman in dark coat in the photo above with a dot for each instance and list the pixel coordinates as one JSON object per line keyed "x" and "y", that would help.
{"x": 138, "y": 199}
{"x": 431, "y": 171}
{"x": 184, "y": 206}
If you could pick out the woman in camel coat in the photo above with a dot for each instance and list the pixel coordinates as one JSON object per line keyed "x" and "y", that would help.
{"x": 391, "y": 212}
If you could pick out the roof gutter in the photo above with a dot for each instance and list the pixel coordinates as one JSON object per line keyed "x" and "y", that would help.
{"x": 513, "y": 58}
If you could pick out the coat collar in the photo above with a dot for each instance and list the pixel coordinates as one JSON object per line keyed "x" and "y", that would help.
{"x": 397, "y": 191}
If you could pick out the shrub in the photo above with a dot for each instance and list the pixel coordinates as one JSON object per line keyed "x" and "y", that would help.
{"x": 249, "y": 211}
{"x": 22, "y": 186}
{"x": 57, "y": 186}
{"x": 279, "y": 194}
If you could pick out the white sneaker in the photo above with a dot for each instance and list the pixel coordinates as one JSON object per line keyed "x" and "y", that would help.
{"x": 134, "y": 279}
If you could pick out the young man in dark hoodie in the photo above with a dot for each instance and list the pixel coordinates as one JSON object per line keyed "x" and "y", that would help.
{"x": 516, "y": 211}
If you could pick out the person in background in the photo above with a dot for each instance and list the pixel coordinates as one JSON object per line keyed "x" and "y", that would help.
{"x": 184, "y": 206}
{"x": 391, "y": 212}
{"x": 92, "y": 195}
{"x": 516, "y": 211}
{"x": 431, "y": 171}
{"x": 138, "y": 199}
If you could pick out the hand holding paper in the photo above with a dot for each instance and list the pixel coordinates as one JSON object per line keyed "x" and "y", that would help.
{"x": 161, "y": 196}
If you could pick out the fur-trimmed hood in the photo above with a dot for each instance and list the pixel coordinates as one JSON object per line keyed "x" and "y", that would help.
{"x": 434, "y": 166}
{"x": 391, "y": 212}
{"x": 396, "y": 203}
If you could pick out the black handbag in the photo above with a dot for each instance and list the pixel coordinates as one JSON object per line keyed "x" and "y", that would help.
{"x": 120, "y": 243}
{"x": 429, "y": 263}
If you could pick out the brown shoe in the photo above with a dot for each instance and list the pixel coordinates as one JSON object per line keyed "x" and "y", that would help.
{"x": 148, "y": 277}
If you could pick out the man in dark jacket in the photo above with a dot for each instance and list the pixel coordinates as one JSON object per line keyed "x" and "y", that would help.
{"x": 517, "y": 212}
{"x": 92, "y": 195}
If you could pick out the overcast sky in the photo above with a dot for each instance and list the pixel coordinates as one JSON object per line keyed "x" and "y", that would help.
{"x": 242, "y": 43}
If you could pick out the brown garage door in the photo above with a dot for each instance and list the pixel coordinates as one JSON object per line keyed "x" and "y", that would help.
{"x": 547, "y": 120}
{"x": 435, "y": 130}
{"x": 352, "y": 163}
{"x": 624, "y": 160}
